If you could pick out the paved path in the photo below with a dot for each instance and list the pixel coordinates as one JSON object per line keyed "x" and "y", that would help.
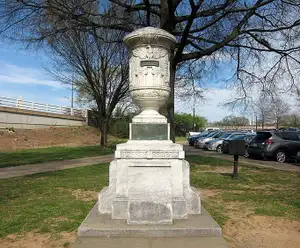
{"x": 23, "y": 170}
{"x": 190, "y": 150}
{"x": 29, "y": 169}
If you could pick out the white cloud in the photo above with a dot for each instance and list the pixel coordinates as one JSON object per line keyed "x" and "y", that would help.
{"x": 10, "y": 73}
{"x": 63, "y": 100}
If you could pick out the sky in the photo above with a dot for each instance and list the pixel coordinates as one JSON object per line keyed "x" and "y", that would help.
{"x": 23, "y": 74}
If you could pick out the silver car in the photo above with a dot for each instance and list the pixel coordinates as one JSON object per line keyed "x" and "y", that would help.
{"x": 197, "y": 142}
{"x": 216, "y": 144}
{"x": 200, "y": 143}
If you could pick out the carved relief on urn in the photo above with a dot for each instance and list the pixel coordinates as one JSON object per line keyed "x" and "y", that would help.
{"x": 149, "y": 65}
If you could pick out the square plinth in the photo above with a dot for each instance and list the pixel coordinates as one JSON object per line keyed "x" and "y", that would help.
{"x": 101, "y": 225}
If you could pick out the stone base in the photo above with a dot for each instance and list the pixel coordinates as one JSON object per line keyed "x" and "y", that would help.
{"x": 186, "y": 242}
{"x": 101, "y": 225}
{"x": 149, "y": 184}
{"x": 196, "y": 231}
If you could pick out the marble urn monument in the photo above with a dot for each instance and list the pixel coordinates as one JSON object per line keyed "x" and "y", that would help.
{"x": 149, "y": 193}
{"x": 149, "y": 178}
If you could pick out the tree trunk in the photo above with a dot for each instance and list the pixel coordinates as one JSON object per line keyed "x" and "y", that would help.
{"x": 168, "y": 109}
{"x": 167, "y": 16}
{"x": 168, "y": 24}
{"x": 103, "y": 131}
{"x": 170, "y": 104}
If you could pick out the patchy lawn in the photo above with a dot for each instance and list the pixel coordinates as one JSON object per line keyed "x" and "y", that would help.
{"x": 39, "y": 155}
{"x": 260, "y": 191}
{"x": 180, "y": 138}
{"x": 48, "y": 206}
{"x": 50, "y": 202}
{"x": 261, "y": 209}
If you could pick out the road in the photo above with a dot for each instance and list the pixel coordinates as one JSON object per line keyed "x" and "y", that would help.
{"x": 190, "y": 150}
{"x": 30, "y": 169}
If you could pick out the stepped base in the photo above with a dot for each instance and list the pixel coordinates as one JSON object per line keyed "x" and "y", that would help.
{"x": 98, "y": 230}
{"x": 101, "y": 225}
{"x": 186, "y": 242}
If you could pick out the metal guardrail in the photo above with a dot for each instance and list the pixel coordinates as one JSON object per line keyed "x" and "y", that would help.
{"x": 41, "y": 107}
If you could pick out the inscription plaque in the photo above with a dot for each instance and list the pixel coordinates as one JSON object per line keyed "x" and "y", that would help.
{"x": 149, "y": 63}
{"x": 149, "y": 131}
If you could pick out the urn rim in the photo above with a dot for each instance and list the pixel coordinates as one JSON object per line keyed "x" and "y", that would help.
{"x": 149, "y": 35}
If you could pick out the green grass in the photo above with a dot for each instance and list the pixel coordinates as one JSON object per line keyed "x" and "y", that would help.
{"x": 259, "y": 190}
{"x": 201, "y": 160}
{"x": 44, "y": 202}
{"x": 177, "y": 138}
{"x": 49, "y": 202}
{"x": 39, "y": 155}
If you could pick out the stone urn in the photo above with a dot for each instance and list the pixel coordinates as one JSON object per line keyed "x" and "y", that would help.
{"x": 149, "y": 71}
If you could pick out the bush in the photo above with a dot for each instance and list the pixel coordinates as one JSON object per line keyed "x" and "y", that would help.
{"x": 184, "y": 123}
{"x": 119, "y": 128}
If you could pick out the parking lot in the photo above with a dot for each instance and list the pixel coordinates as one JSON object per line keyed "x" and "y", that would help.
{"x": 287, "y": 166}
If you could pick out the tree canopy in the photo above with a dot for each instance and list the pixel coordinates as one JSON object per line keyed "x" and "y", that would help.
{"x": 234, "y": 121}
{"x": 185, "y": 123}
{"x": 259, "y": 37}
{"x": 98, "y": 69}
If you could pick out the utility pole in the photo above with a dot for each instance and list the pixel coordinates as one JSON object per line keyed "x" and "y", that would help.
{"x": 256, "y": 123}
{"x": 72, "y": 95}
{"x": 194, "y": 124}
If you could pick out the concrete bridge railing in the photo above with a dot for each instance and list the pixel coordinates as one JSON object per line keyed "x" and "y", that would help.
{"x": 18, "y": 113}
{"x": 47, "y": 108}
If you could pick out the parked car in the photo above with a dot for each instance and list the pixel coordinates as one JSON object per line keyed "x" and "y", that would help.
{"x": 297, "y": 158}
{"x": 212, "y": 128}
{"x": 249, "y": 138}
{"x": 216, "y": 144}
{"x": 291, "y": 129}
{"x": 190, "y": 134}
{"x": 234, "y": 136}
{"x": 280, "y": 145}
{"x": 193, "y": 138}
{"x": 200, "y": 143}
{"x": 209, "y": 134}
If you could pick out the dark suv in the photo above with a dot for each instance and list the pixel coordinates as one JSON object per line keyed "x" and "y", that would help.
{"x": 298, "y": 157}
{"x": 280, "y": 145}
{"x": 235, "y": 136}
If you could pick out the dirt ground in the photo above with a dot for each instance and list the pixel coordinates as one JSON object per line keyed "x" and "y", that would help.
{"x": 262, "y": 232}
{"x": 240, "y": 231}
{"x": 251, "y": 232}
{"x": 37, "y": 240}
{"x": 44, "y": 137}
